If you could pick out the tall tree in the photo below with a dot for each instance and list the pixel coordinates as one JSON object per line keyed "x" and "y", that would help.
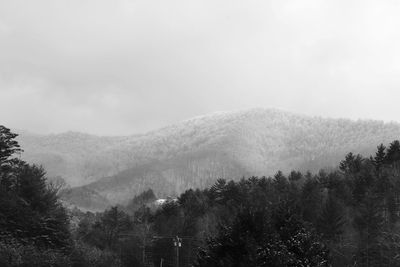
{"x": 8, "y": 145}
{"x": 380, "y": 156}
{"x": 369, "y": 221}
{"x": 311, "y": 200}
{"x": 331, "y": 221}
{"x": 393, "y": 152}
{"x": 351, "y": 164}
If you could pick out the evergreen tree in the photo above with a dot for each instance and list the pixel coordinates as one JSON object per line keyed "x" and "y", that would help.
{"x": 369, "y": 223}
{"x": 217, "y": 191}
{"x": 295, "y": 176}
{"x": 380, "y": 156}
{"x": 8, "y": 145}
{"x": 393, "y": 152}
{"x": 331, "y": 220}
{"x": 351, "y": 164}
{"x": 194, "y": 205}
{"x": 281, "y": 185}
{"x": 311, "y": 200}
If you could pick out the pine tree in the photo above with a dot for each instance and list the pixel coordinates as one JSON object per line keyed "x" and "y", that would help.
{"x": 380, "y": 156}
{"x": 217, "y": 190}
{"x": 332, "y": 220}
{"x": 351, "y": 164}
{"x": 311, "y": 199}
{"x": 393, "y": 152}
{"x": 281, "y": 183}
{"x": 8, "y": 145}
{"x": 369, "y": 223}
{"x": 295, "y": 176}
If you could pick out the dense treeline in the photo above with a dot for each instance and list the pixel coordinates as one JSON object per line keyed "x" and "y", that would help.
{"x": 345, "y": 217}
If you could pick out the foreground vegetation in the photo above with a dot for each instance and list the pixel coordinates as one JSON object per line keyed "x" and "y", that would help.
{"x": 344, "y": 217}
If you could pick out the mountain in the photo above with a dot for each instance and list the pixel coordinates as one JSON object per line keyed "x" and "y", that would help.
{"x": 196, "y": 152}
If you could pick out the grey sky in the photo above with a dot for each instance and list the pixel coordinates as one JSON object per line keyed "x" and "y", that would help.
{"x": 123, "y": 67}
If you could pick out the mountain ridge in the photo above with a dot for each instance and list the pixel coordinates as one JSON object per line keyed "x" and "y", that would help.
{"x": 196, "y": 152}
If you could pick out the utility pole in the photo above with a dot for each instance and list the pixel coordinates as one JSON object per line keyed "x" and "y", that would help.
{"x": 177, "y": 245}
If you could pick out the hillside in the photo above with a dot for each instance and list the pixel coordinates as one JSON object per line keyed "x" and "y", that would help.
{"x": 196, "y": 152}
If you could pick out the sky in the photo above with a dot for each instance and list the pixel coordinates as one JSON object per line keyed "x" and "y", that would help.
{"x": 129, "y": 66}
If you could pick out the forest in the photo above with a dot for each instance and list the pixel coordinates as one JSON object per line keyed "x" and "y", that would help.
{"x": 348, "y": 216}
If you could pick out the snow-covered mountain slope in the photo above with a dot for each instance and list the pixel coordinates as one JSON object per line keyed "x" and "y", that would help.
{"x": 196, "y": 152}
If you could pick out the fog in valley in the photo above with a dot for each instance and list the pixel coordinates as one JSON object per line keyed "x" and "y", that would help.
{"x": 206, "y": 134}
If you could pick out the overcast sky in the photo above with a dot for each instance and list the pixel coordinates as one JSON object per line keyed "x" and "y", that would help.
{"x": 122, "y": 67}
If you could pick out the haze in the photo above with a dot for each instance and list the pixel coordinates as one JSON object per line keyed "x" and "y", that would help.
{"x": 123, "y": 67}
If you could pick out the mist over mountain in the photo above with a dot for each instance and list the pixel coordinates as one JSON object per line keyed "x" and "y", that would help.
{"x": 196, "y": 152}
